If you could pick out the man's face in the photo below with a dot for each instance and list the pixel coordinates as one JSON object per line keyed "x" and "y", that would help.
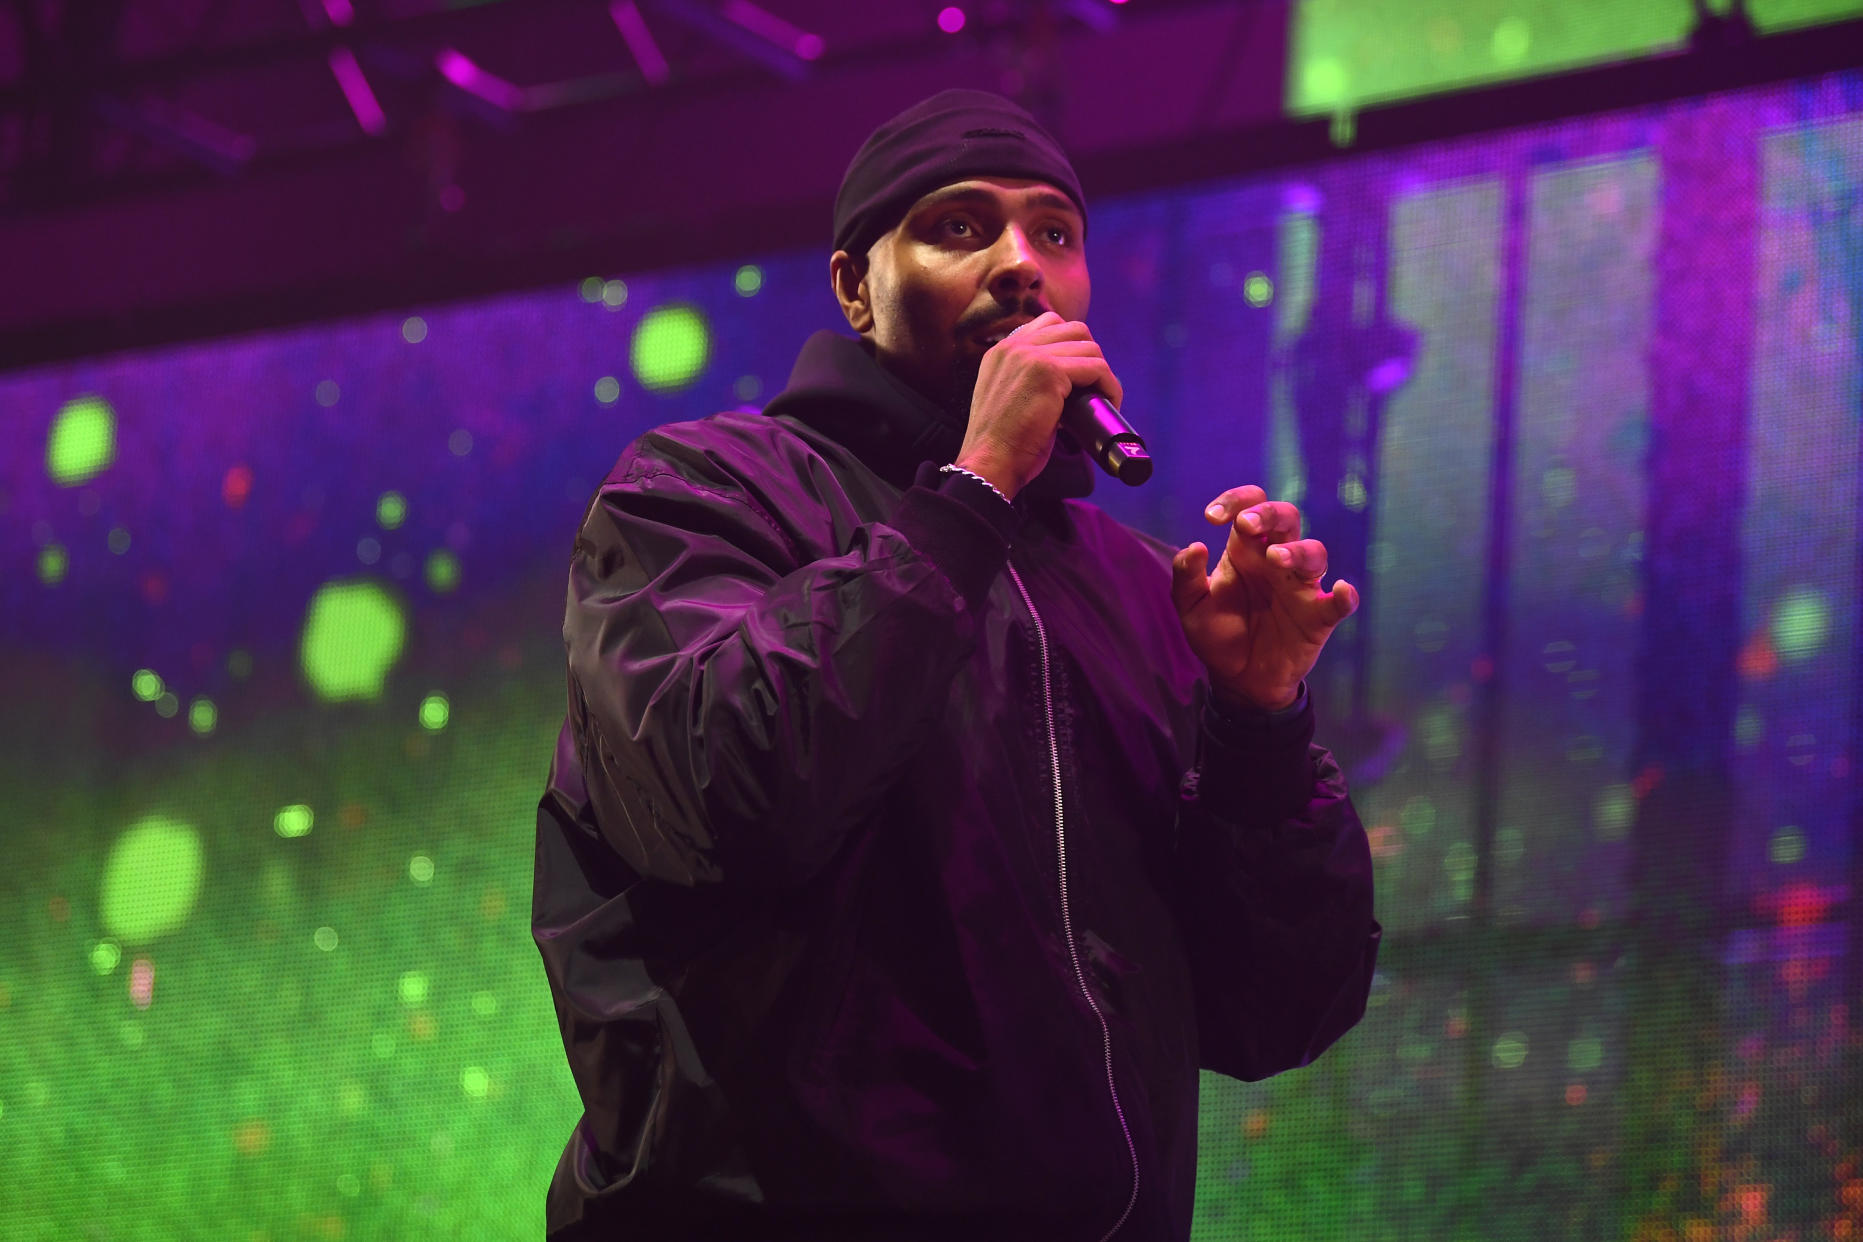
{"x": 968, "y": 262}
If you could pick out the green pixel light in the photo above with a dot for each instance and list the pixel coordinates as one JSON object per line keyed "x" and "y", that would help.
{"x": 82, "y": 443}
{"x": 435, "y": 711}
{"x": 151, "y": 880}
{"x": 413, "y": 988}
{"x": 53, "y": 564}
{"x": 203, "y": 715}
{"x": 1801, "y": 624}
{"x": 353, "y": 634}
{"x": 670, "y": 348}
{"x": 391, "y": 509}
{"x": 442, "y": 572}
{"x": 748, "y": 281}
{"x": 293, "y": 821}
{"x": 146, "y": 685}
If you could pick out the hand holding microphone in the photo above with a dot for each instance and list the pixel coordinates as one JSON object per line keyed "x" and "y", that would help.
{"x": 1027, "y": 388}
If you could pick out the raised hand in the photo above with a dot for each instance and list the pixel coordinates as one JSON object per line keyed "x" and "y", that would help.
{"x": 1022, "y": 384}
{"x": 1259, "y": 620}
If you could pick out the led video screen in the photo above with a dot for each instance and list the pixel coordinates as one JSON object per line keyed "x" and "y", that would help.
{"x": 282, "y": 646}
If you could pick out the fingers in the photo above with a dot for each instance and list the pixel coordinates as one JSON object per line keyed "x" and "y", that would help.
{"x": 1277, "y": 521}
{"x": 1225, "y": 507}
{"x": 1188, "y": 583}
{"x": 1345, "y": 600}
{"x": 1068, "y": 345}
{"x": 1304, "y": 557}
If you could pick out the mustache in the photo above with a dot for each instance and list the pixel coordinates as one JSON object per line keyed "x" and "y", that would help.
{"x": 1026, "y": 308}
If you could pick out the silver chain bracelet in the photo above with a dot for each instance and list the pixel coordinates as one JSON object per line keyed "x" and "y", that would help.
{"x": 954, "y": 468}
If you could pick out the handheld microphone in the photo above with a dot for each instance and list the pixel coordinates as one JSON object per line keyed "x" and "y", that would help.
{"x": 1099, "y": 427}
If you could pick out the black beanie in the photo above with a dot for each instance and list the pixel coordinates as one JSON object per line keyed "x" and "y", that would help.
{"x": 953, "y": 135}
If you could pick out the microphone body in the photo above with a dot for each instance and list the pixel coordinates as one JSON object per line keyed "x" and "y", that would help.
{"x": 1100, "y": 429}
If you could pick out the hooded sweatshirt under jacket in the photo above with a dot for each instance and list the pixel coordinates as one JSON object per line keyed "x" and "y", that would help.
{"x": 897, "y": 872}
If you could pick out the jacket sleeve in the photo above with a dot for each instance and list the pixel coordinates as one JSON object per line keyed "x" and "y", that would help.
{"x": 738, "y": 708}
{"x": 1274, "y": 879}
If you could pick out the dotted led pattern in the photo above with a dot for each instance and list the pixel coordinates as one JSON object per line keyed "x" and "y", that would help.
{"x": 328, "y": 1022}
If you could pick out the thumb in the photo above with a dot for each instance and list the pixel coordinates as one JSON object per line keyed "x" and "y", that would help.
{"x": 1188, "y": 581}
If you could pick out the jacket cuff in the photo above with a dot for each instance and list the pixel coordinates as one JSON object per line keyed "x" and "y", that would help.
{"x": 960, "y": 526}
{"x": 1254, "y": 765}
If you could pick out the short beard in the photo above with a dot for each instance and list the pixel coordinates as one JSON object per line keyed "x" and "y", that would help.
{"x": 957, "y": 389}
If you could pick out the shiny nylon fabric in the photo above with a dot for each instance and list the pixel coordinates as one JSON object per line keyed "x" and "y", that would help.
{"x": 796, "y": 868}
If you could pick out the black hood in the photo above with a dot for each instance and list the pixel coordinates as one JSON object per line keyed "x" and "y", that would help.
{"x": 841, "y": 390}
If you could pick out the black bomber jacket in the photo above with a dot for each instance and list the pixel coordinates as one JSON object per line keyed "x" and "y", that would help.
{"x": 896, "y": 873}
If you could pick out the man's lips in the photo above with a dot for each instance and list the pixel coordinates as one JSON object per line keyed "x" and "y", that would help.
{"x": 992, "y": 335}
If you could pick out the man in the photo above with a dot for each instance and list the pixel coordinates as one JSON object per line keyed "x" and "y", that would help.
{"x": 917, "y": 831}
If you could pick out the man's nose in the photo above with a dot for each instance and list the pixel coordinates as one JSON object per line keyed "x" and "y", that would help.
{"x": 1015, "y": 269}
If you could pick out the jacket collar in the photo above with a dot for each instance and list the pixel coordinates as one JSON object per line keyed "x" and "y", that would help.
{"x": 840, "y": 389}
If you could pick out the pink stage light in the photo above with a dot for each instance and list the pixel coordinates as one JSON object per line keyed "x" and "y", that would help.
{"x": 339, "y": 12}
{"x": 355, "y": 86}
{"x": 767, "y": 25}
{"x": 951, "y": 20}
{"x": 639, "y": 41}
{"x": 142, "y": 983}
{"x": 458, "y": 68}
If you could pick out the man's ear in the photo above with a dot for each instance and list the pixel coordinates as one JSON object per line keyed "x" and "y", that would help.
{"x": 848, "y": 274}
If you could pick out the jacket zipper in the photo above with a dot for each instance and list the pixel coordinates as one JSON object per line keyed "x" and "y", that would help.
{"x": 1067, "y": 918}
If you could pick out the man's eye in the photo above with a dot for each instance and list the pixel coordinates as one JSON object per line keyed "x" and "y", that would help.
{"x": 958, "y": 228}
{"x": 1060, "y": 236}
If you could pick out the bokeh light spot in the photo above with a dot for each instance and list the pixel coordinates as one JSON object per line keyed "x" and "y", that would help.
{"x": 203, "y": 715}
{"x": 368, "y": 550}
{"x": 53, "y": 563}
{"x": 485, "y": 1004}
{"x": 950, "y": 19}
{"x": 391, "y": 509}
{"x": 328, "y": 394}
{"x": 460, "y": 442}
{"x": 442, "y": 572}
{"x": 167, "y": 704}
{"x": 435, "y": 711}
{"x": 1585, "y": 1053}
{"x": 413, "y": 329}
{"x": 748, "y": 281}
{"x": 104, "y": 956}
{"x": 412, "y": 988}
{"x": 236, "y": 486}
{"x": 1613, "y": 808}
{"x": 748, "y": 388}
{"x": 325, "y": 938}
{"x": 1558, "y": 486}
{"x": 382, "y": 1044}
{"x": 142, "y": 983}
{"x": 117, "y": 540}
{"x": 607, "y": 390}
{"x": 293, "y": 821}
{"x": 353, "y": 634}
{"x": 475, "y": 1082}
{"x": 82, "y": 443}
{"x": 670, "y": 348}
{"x": 146, "y": 685}
{"x": 1418, "y": 817}
{"x": 614, "y": 294}
{"x": 151, "y": 879}
{"x": 1801, "y": 624}
{"x": 420, "y": 869}
{"x": 1510, "y": 41}
{"x": 591, "y": 288}
{"x": 1510, "y": 1050}
{"x": 239, "y": 663}
{"x": 1787, "y": 845}
{"x": 1258, "y": 289}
